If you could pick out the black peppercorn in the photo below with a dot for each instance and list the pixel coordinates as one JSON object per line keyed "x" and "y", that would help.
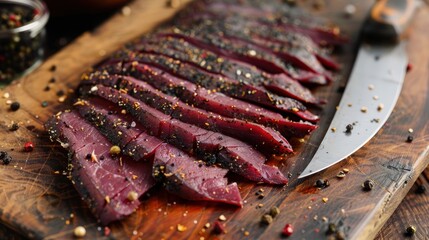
{"x": 47, "y": 88}
{"x": 52, "y": 80}
{"x": 60, "y": 93}
{"x": 349, "y": 129}
{"x": 420, "y": 189}
{"x": 2, "y": 154}
{"x": 53, "y": 68}
{"x": 410, "y": 138}
{"x": 411, "y": 230}
{"x": 320, "y": 183}
{"x": 14, "y": 127}
{"x": 368, "y": 185}
{"x": 15, "y": 106}
{"x": 332, "y": 228}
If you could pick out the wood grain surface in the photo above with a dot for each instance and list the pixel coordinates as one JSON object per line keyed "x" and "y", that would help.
{"x": 413, "y": 211}
{"x": 39, "y": 201}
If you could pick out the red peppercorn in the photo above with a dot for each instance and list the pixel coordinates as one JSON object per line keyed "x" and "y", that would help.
{"x": 409, "y": 67}
{"x": 287, "y": 230}
{"x": 28, "y": 146}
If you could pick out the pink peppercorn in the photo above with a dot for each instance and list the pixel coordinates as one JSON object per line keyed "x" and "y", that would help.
{"x": 287, "y": 230}
{"x": 28, "y": 146}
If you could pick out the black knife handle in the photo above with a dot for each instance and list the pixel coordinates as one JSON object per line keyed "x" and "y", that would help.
{"x": 388, "y": 19}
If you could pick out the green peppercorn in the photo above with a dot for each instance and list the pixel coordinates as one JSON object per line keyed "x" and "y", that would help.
{"x": 274, "y": 211}
{"x": 266, "y": 219}
{"x": 115, "y": 150}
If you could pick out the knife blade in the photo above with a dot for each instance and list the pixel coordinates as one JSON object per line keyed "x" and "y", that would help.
{"x": 373, "y": 87}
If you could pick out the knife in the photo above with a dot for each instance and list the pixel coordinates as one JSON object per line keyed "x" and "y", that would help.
{"x": 373, "y": 87}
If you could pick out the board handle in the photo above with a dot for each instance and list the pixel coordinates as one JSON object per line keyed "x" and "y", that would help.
{"x": 388, "y": 20}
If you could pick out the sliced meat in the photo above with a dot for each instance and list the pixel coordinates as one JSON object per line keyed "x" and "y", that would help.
{"x": 119, "y": 128}
{"x": 181, "y": 50}
{"x": 254, "y": 134}
{"x": 291, "y": 20}
{"x": 228, "y": 152}
{"x": 102, "y": 180}
{"x": 207, "y": 80}
{"x": 297, "y": 56}
{"x": 182, "y": 175}
{"x": 211, "y": 101}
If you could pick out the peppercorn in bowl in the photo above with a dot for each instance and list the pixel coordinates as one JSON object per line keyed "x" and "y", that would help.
{"x": 22, "y": 34}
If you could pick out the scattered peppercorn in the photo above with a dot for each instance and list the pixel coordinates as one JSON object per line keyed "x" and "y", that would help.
{"x": 132, "y": 196}
{"x": 218, "y": 228}
{"x": 274, "y": 211}
{"x": 332, "y": 228}
{"x": 15, "y": 106}
{"x": 287, "y": 230}
{"x": 420, "y": 189}
{"x": 14, "y": 127}
{"x": 60, "y": 93}
{"x": 5, "y": 157}
{"x": 47, "y": 88}
{"x": 340, "y": 235}
{"x": 349, "y": 129}
{"x": 368, "y": 185}
{"x": 320, "y": 183}
{"x": 53, "y": 68}
{"x": 28, "y": 146}
{"x": 410, "y": 139}
{"x": 411, "y": 230}
{"x": 52, "y": 80}
{"x": 115, "y": 150}
{"x": 79, "y": 232}
{"x": 266, "y": 219}
{"x": 44, "y": 104}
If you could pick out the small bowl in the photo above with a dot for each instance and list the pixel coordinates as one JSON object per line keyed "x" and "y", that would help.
{"x": 22, "y": 37}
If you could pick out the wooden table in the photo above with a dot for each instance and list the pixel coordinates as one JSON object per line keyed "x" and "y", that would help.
{"x": 39, "y": 199}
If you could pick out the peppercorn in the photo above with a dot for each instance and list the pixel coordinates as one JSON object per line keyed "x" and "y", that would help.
{"x": 53, "y": 68}
{"x": 411, "y": 230}
{"x": 115, "y": 150}
{"x": 274, "y": 211}
{"x": 368, "y": 185}
{"x": 53, "y": 80}
{"x": 47, "y": 88}
{"x": 60, "y": 93}
{"x": 7, "y": 159}
{"x": 266, "y": 219}
{"x": 28, "y": 146}
{"x": 320, "y": 183}
{"x": 287, "y": 230}
{"x": 2, "y": 154}
{"x": 332, "y": 228}
{"x": 44, "y": 104}
{"x": 14, "y": 127}
{"x": 349, "y": 129}
{"x": 15, "y": 106}
{"x": 410, "y": 138}
{"x": 420, "y": 189}
{"x": 79, "y": 232}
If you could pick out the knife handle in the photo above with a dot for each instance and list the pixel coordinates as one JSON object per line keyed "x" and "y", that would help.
{"x": 389, "y": 19}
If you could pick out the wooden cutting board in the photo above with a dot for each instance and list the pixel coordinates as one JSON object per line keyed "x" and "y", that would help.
{"x": 38, "y": 201}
